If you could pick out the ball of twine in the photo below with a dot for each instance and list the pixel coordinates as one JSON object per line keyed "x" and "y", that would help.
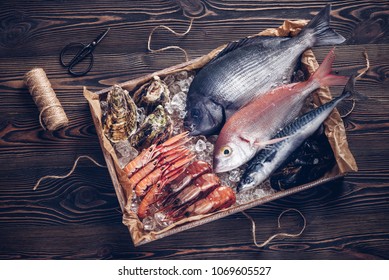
{"x": 52, "y": 116}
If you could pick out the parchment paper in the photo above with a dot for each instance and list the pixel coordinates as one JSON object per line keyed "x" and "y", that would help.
{"x": 334, "y": 127}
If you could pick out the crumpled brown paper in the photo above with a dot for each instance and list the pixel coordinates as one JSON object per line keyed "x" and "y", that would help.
{"x": 335, "y": 130}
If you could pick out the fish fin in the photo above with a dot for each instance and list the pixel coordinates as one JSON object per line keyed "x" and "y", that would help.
{"x": 323, "y": 34}
{"x": 261, "y": 41}
{"x": 323, "y": 73}
{"x": 259, "y": 144}
{"x": 350, "y": 92}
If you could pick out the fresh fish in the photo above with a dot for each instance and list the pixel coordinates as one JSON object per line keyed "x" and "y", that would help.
{"x": 269, "y": 159}
{"x": 252, "y": 127}
{"x": 249, "y": 68}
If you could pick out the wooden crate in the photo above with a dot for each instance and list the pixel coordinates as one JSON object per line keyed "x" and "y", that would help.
{"x": 344, "y": 158}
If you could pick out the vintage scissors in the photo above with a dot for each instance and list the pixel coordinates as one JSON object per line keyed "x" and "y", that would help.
{"x": 82, "y": 53}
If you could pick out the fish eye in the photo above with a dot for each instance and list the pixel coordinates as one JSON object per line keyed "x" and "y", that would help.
{"x": 195, "y": 113}
{"x": 226, "y": 151}
{"x": 248, "y": 180}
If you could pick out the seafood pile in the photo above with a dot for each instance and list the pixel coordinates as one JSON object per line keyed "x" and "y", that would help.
{"x": 165, "y": 185}
{"x": 192, "y": 143}
{"x": 169, "y": 174}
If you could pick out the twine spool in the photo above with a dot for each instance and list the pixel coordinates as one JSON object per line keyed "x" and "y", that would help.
{"x": 51, "y": 116}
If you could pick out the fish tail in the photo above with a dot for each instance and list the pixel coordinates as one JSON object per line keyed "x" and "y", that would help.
{"x": 323, "y": 73}
{"x": 350, "y": 92}
{"x": 319, "y": 27}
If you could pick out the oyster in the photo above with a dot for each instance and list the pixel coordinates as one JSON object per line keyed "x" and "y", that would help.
{"x": 152, "y": 94}
{"x": 155, "y": 129}
{"x": 119, "y": 115}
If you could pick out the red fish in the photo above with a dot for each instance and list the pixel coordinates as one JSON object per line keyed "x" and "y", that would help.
{"x": 251, "y": 128}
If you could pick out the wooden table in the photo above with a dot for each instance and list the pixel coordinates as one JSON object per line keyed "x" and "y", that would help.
{"x": 79, "y": 217}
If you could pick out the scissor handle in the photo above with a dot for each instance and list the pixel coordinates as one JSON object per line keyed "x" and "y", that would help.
{"x": 85, "y": 51}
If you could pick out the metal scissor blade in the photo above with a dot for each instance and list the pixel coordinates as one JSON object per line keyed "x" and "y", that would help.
{"x": 101, "y": 36}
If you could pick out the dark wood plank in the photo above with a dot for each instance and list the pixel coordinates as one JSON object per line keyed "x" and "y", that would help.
{"x": 79, "y": 217}
{"x": 323, "y": 238}
{"x": 25, "y": 27}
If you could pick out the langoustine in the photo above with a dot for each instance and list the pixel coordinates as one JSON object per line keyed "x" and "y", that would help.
{"x": 219, "y": 198}
{"x": 198, "y": 189}
{"x": 163, "y": 193}
{"x": 162, "y": 156}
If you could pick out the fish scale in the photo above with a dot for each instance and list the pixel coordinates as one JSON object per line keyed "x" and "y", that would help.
{"x": 249, "y": 80}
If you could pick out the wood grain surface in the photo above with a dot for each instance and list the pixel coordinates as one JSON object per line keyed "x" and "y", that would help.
{"x": 79, "y": 217}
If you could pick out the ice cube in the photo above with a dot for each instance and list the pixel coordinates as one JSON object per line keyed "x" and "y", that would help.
{"x": 259, "y": 193}
{"x": 177, "y": 129}
{"x": 134, "y": 205}
{"x": 210, "y": 147}
{"x": 161, "y": 219}
{"x": 182, "y": 114}
{"x": 182, "y": 75}
{"x": 149, "y": 223}
{"x": 184, "y": 85}
{"x": 178, "y": 102}
{"x": 169, "y": 108}
{"x": 190, "y": 79}
{"x": 169, "y": 80}
{"x": 125, "y": 152}
{"x": 244, "y": 197}
{"x": 234, "y": 175}
{"x": 104, "y": 105}
{"x": 204, "y": 157}
{"x": 174, "y": 88}
{"x": 224, "y": 178}
{"x": 200, "y": 145}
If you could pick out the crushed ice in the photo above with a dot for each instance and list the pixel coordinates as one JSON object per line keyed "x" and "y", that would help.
{"x": 178, "y": 84}
{"x": 124, "y": 152}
